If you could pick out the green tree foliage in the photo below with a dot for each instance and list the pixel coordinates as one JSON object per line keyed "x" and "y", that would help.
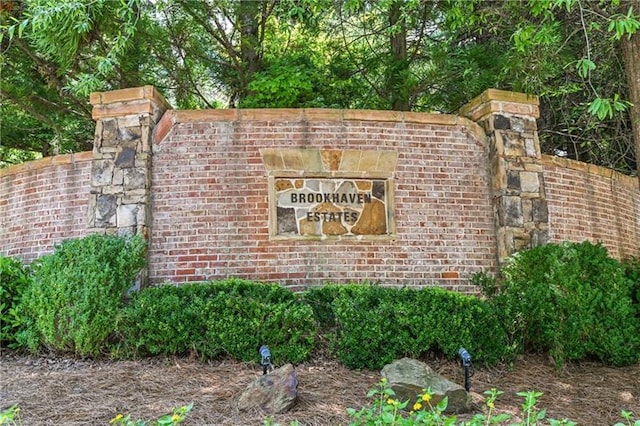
{"x": 419, "y": 55}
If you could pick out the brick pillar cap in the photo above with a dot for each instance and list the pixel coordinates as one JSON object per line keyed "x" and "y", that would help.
{"x": 501, "y": 101}
{"x": 129, "y": 101}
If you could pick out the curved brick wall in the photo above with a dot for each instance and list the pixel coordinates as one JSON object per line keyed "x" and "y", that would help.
{"x": 210, "y": 199}
{"x": 588, "y": 202}
{"x": 225, "y": 193}
{"x": 42, "y": 203}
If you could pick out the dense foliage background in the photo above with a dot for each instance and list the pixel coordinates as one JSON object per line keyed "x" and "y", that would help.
{"x": 421, "y": 55}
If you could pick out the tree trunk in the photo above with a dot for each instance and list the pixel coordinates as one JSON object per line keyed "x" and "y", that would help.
{"x": 248, "y": 13}
{"x": 399, "y": 67}
{"x": 631, "y": 58}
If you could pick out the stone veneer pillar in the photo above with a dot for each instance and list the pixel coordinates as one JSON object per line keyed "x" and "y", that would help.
{"x": 519, "y": 201}
{"x": 121, "y": 170}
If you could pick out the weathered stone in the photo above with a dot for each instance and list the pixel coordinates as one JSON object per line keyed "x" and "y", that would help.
{"x": 500, "y": 122}
{"x": 135, "y": 178}
{"x": 109, "y": 132}
{"x": 513, "y": 145}
{"x": 272, "y": 393}
{"x": 129, "y": 133}
{"x": 106, "y": 209}
{"x": 540, "y": 211}
{"x": 378, "y": 189}
{"x": 539, "y": 237}
{"x": 510, "y": 213}
{"x": 286, "y": 221}
{"x": 127, "y": 215}
{"x": 529, "y": 182}
{"x": 102, "y": 172}
{"x": 373, "y": 220}
{"x": 283, "y": 184}
{"x": 409, "y": 377}
{"x": 513, "y": 180}
{"x": 331, "y": 159}
{"x": 126, "y": 158}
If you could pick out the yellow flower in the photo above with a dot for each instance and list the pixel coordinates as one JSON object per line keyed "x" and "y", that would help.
{"x": 175, "y": 418}
{"x": 117, "y": 418}
{"x": 426, "y": 397}
{"x": 392, "y": 401}
{"x": 491, "y": 405}
{"x": 417, "y": 406}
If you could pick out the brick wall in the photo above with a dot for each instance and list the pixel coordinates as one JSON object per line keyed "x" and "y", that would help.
{"x": 42, "y": 203}
{"x": 210, "y": 200}
{"x": 588, "y": 202}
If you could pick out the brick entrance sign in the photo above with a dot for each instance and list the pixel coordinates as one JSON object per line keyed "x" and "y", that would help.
{"x": 309, "y": 196}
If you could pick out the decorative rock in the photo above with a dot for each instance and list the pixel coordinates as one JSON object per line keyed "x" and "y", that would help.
{"x": 273, "y": 393}
{"x": 408, "y": 377}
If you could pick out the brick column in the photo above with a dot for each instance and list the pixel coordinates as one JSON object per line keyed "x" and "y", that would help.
{"x": 121, "y": 168}
{"x": 519, "y": 201}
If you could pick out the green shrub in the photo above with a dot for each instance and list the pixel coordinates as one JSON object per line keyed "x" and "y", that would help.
{"x": 632, "y": 272}
{"x": 14, "y": 279}
{"x": 572, "y": 300}
{"x": 225, "y": 318}
{"x": 72, "y": 303}
{"x": 376, "y": 325}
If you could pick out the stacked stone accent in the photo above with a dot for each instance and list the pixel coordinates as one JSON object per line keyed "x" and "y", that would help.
{"x": 519, "y": 200}
{"x": 120, "y": 199}
{"x": 330, "y": 193}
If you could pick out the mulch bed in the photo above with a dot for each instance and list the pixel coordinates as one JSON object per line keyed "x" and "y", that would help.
{"x": 66, "y": 391}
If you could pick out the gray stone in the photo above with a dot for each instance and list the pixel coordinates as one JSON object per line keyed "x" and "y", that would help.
{"x": 529, "y": 182}
{"x": 126, "y": 158}
{"x": 135, "y": 179}
{"x": 540, "y": 211}
{"x": 272, "y": 393}
{"x": 409, "y": 377}
{"x": 511, "y": 211}
{"x": 102, "y": 172}
{"x": 501, "y": 122}
{"x": 129, "y": 133}
{"x": 127, "y": 215}
{"x": 106, "y": 207}
{"x": 286, "y": 221}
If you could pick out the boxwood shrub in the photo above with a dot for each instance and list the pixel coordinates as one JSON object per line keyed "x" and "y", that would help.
{"x": 74, "y": 298}
{"x": 572, "y": 300}
{"x": 14, "y": 279}
{"x": 375, "y": 325}
{"x": 224, "y": 318}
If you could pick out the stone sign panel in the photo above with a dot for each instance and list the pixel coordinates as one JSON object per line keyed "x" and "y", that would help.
{"x": 330, "y": 193}
{"x": 331, "y": 207}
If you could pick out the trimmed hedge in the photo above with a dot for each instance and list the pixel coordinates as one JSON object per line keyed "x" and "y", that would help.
{"x": 225, "y": 318}
{"x": 375, "y": 325}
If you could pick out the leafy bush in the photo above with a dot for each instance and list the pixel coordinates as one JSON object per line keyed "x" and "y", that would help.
{"x": 376, "y": 325}
{"x": 72, "y": 303}
{"x": 572, "y": 300}
{"x": 14, "y": 279}
{"x": 632, "y": 272}
{"x": 224, "y": 318}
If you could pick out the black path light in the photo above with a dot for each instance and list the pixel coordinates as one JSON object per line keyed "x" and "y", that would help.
{"x": 265, "y": 359}
{"x": 466, "y": 364}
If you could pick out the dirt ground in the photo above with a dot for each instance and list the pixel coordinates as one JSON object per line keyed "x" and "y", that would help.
{"x": 64, "y": 391}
